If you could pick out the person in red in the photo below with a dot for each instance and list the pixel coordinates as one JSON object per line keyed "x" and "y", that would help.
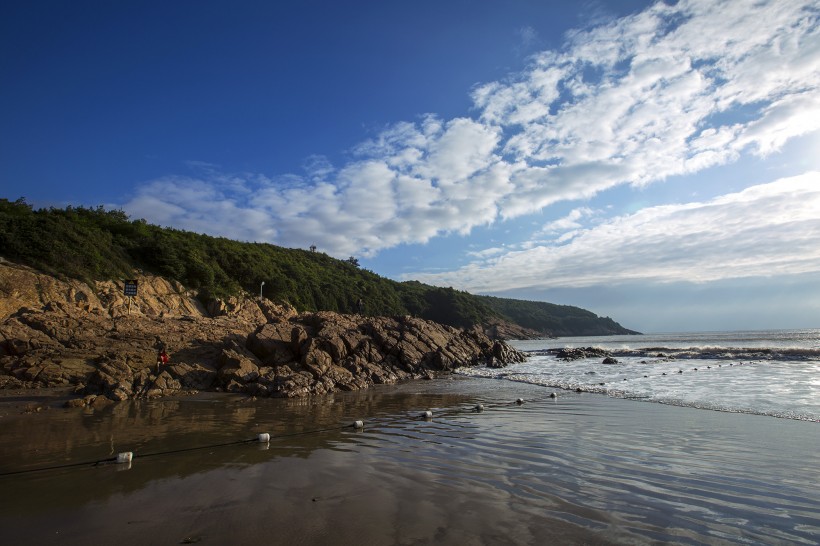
{"x": 162, "y": 359}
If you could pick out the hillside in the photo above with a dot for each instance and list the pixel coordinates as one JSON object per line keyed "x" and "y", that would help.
{"x": 558, "y": 320}
{"x": 94, "y": 244}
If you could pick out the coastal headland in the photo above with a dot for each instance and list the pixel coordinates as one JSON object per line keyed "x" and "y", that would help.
{"x": 102, "y": 346}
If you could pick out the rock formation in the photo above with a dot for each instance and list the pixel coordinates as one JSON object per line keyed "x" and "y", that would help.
{"x": 65, "y": 333}
{"x": 569, "y": 353}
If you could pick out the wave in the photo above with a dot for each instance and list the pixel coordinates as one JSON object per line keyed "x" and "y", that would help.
{"x": 588, "y": 385}
{"x": 701, "y": 353}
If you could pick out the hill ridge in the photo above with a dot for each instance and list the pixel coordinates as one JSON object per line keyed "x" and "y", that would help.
{"x": 95, "y": 244}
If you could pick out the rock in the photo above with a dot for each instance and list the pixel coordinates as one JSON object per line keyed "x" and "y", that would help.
{"x": 237, "y": 367}
{"x": 272, "y": 343}
{"x": 610, "y": 360}
{"x": 578, "y": 353}
{"x": 72, "y": 334}
{"x": 195, "y": 376}
{"x": 315, "y": 359}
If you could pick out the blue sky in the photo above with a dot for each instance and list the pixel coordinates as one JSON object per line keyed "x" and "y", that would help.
{"x": 658, "y": 163}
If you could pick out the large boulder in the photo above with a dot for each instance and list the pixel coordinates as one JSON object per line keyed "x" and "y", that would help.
{"x": 241, "y": 368}
{"x": 273, "y": 343}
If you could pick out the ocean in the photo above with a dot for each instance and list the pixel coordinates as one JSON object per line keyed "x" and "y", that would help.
{"x": 728, "y": 455}
{"x": 774, "y": 372}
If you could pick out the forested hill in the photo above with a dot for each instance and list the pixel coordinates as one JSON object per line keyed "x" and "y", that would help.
{"x": 97, "y": 244}
{"x": 558, "y": 320}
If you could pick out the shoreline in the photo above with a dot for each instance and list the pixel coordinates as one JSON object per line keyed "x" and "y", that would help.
{"x": 580, "y": 468}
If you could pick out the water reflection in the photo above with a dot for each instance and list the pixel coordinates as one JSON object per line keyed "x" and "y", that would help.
{"x": 579, "y": 468}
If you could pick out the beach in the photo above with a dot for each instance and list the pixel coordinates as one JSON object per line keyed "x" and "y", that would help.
{"x": 580, "y": 468}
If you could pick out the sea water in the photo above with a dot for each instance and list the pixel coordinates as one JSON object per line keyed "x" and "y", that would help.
{"x": 580, "y": 468}
{"x": 774, "y": 372}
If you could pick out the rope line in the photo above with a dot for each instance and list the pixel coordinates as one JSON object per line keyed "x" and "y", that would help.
{"x": 418, "y": 416}
{"x": 170, "y": 451}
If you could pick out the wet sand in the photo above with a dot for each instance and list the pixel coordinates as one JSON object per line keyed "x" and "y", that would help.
{"x": 577, "y": 469}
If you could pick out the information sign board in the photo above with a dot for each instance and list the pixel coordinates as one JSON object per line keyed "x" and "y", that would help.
{"x": 130, "y": 288}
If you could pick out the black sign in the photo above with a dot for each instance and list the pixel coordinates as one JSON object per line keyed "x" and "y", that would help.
{"x": 130, "y": 288}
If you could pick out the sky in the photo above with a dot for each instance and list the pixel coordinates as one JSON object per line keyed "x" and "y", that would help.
{"x": 654, "y": 162}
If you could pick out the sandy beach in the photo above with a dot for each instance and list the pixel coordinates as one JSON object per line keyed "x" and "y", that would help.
{"x": 577, "y": 469}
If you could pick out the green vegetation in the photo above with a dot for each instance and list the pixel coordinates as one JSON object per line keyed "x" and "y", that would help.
{"x": 558, "y": 320}
{"x": 97, "y": 244}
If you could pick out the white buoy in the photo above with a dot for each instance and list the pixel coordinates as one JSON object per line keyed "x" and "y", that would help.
{"x": 263, "y": 438}
{"x": 427, "y": 415}
{"x": 519, "y": 401}
{"x": 125, "y": 457}
{"x": 358, "y": 424}
{"x": 479, "y": 407}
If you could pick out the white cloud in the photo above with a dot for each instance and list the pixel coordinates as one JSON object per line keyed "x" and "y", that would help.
{"x": 487, "y": 252}
{"x": 672, "y": 90}
{"x": 569, "y": 222}
{"x": 765, "y": 230}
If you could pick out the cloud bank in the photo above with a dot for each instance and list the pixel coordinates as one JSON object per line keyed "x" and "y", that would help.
{"x": 763, "y": 231}
{"x": 672, "y": 90}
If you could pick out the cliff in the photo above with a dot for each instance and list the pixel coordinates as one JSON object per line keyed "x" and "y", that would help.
{"x": 92, "y": 339}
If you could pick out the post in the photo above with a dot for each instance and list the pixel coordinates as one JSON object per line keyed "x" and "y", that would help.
{"x": 260, "y": 289}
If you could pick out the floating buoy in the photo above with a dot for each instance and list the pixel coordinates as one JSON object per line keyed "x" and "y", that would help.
{"x": 358, "y": 424}
{"x": 427, "y": 415}
{"x": 519, "y": 401}
{"x": 553, "y": 395}
{"x": 124, "y": 457}
{"x": 263, "y": 438}
{"x": 479, "y": 407}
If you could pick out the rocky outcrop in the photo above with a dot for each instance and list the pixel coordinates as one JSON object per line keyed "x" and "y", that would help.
{"x": 66, "y": 333}
{"x": 577, "y": 353}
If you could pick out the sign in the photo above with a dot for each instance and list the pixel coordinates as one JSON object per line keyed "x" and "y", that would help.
{"x": 130, "y": 288}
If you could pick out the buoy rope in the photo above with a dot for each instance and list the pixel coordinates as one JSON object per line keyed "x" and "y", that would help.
{"x": 173, "y": 451}
{"x": 356, "y": 425}
{"x": 59, "y": 466}
{"x": 680, "y": 371}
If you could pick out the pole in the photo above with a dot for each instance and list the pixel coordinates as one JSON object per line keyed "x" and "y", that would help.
{"x": 260, "y": 289}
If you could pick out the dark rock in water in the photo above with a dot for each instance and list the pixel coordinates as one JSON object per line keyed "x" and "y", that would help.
{"x": 610, "y": 360}
{"x": 578, "y": 353}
